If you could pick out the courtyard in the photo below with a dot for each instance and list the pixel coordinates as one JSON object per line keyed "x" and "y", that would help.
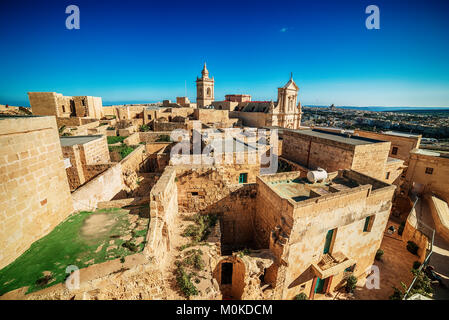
{"x": 83, "y": 239}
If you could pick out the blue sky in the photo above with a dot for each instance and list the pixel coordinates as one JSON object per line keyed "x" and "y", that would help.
{"x": 141, "y": 51}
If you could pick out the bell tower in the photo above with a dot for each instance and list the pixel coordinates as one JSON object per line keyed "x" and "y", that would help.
{"x": 204, "y": 89}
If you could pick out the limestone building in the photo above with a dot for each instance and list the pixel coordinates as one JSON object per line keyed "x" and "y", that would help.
{"x": 34, "y": 192}
{"x": 55, "y": 104}
{"x": 285, "y": 112}
{"x": 332, "y": 151}
{"x": 85, "y": 157}
{"x": 319, "y": 233}
{"x": 204, "y": 89}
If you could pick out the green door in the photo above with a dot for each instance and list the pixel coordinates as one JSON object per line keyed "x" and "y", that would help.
{"x": 328, "y": 242}
{"x": 319, "y": 285}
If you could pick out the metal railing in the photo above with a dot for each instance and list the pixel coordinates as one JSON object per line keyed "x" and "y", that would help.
{"x": 430, "y": 234}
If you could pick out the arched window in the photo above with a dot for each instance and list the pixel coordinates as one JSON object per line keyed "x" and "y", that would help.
{"x": 208, "y": 92}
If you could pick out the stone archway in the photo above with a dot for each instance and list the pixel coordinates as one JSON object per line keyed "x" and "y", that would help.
{"x": 230, "y": 275}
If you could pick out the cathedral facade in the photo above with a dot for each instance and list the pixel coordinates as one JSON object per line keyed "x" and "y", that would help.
{"x": 284, "y": 113}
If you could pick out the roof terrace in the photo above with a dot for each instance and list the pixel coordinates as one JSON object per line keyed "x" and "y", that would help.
{"x": 291, "y": 186}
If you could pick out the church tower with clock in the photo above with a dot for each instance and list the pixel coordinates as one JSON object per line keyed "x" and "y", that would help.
{"x": 204, "y": 89}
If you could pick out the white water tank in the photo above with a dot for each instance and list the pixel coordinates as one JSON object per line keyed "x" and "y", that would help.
{"x": 317, "y": 175}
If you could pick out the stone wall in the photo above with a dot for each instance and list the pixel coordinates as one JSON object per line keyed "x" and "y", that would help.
{"x": 169, "y": 126}
{"x": 152, "y": 136}
{"x": 163, "y": 210}
{"x": 34, "y": 192}
{"x": 136, "y": 160}
{"x": 251, "y": 119}
{"x": 411, "y": 232}
{"x": 102, "y": 188}
{"x": 437, "y": 181}
{"x": 313, "y": 152}
{"x": 86, "y": 160}
{"x": 133, "y": 139}
{"x": 371, "y": 159}
{"x": 211, "y": 115}
{"x": 403, "y": 144}
{"x": 440, "y": 215}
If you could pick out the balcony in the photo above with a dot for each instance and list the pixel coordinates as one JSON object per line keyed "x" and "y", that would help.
{"x": 330, "y": 265}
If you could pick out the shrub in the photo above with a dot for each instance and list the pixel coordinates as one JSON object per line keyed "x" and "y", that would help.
{"x": 301, "y": 296}
{"x": 379, "y": 254}
{"x": 130, "y": 246}
{"x": 144, "y": 128}
{"x": 123, "y": 150}
{"x": 412, "y": 247}
{"x": 110, "y": 128}
{"x": 422, "y": 285}
{"x": 163, "y": 138}
{"x": 416, "y": 265}
{"x": 115, "y": 139}
{"x": 194, "y": 259}
{"x": 200, "y": 230}
{"x": 351, "y": 283}
{"x": 184, "y": 282}
{"x": 397, "y": 294}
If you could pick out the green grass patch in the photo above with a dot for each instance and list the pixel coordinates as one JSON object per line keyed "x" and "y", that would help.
{"x": 122, "y": 149}
{"x": 79, "y": 241}
{"x": 115, "y": 139}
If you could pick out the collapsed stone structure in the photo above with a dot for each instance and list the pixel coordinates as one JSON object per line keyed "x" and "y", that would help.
{"x": 55, "y": 104}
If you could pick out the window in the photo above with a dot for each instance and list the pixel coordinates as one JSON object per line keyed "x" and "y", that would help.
{"x": 63, "y": 108}
{"x": 429, "y": 170}
{"x": 194, "y": 193}
{"x": 394, "y": 150}
{"x": 243, "y": 178}
{"x": 84, "y": 102}
{"x": 387, "y": 176}
{"x": 368, "y": 224}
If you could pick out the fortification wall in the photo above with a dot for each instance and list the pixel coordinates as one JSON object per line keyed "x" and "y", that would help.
{"x": 34, "y": 191}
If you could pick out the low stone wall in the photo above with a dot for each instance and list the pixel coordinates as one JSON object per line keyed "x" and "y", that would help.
{"x": 133, "y": 139}
{"x": 411, "y": 233}
{"x": 440, "y": 214}
{"x": 152, "y": 136}
{"x": 93, "y": 170}
{"x": 102, "y": 188}
{"x": 136, "y": 160}
{"x": 169, "y": 126}
{"x": 120, "y": 203}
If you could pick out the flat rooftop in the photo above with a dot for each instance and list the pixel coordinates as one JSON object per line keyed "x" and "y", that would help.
{"x": 338, "y": 137}
{"x": 401, "y": 134}
{"x": 299, "y": 189}
{"x": 71, "y": 141}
